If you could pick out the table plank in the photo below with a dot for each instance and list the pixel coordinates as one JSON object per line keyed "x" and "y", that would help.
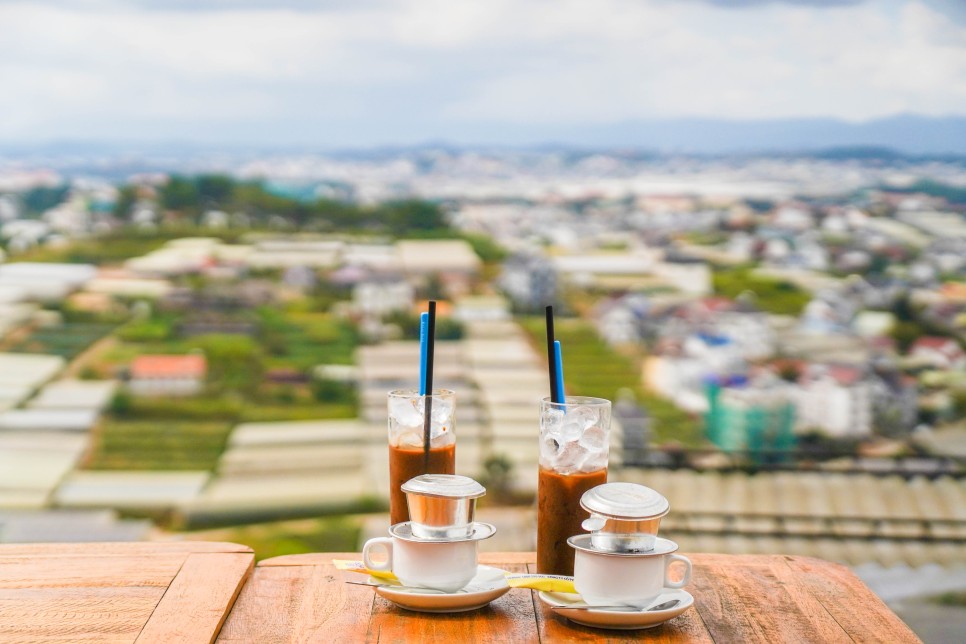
{"x": 752, "y": 603}
{"x": 308, "y": 559}
{"x": 76, "y": 571}
{"x": 197, "y": 602}
{"x": 850, "y": 602}
{"x": 120, "y": 549}
{"x": 306, "y": 603}
{"x": 114, "y": 614}
{"x": 104, "y": 592}
{"x": 321, "y": 558}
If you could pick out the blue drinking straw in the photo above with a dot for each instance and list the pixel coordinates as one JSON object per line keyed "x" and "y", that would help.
{"x": 423, "y": 350}
{"x": 558, "y": 359}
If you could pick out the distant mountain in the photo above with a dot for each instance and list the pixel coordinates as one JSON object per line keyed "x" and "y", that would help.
{"x": 887, "y": 139}
{"x": 906, "y": 134}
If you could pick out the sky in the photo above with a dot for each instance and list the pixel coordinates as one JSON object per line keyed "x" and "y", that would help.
{"x": 370, "y": 72}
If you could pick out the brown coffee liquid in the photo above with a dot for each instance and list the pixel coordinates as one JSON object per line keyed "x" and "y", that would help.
{"x": 559, "y": 516}
{"x": 405, "y": 464}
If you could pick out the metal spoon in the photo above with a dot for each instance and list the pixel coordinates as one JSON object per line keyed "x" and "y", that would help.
{"x": 408, "y": 589}
{"x": 623, "y": 608}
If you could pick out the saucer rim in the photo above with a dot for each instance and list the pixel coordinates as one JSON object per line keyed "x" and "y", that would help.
{"x": 625, "y": 620}
{"x": 471, "y": 601}
{"x": 661, "y": 547}
{"x": 488, "y": 530}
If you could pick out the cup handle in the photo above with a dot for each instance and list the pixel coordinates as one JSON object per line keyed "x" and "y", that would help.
{"x": 386, "y": 542}
{"x": 670, "y": 559}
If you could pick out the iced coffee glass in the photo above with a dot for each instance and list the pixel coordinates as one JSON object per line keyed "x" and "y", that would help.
{"x": 574, "y": 442}
{"x": 407, "y": 458}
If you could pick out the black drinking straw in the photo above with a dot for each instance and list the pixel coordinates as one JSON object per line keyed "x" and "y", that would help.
{"x": 552, "y": 358}
{"x": 428, "y": 420}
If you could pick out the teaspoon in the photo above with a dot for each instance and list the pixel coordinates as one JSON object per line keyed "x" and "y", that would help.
{"x": 623, "y": 608}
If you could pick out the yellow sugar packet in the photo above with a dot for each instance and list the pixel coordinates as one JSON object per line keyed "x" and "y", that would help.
{"x": 549, "y": 583}
{"x": 360, "y": 567}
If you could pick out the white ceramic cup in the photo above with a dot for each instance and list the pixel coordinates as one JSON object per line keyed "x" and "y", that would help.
{"x": 441, "y": 565}
{"x": 606, "y": 578}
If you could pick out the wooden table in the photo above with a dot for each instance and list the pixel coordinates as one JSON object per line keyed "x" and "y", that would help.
{"x": 302, "y": 598}
{"x": 119, "y": 592}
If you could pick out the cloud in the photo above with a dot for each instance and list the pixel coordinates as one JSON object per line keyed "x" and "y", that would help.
{"x": 344, "y": 73}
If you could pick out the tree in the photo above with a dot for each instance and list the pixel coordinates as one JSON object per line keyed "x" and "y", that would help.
{"x": 126, "y": 197}
{"x": 37, "y": 200}
{"x": 234, "y": 361}
{"x": 905, "y": 333}
{"x": 413, "y": 215}
{"x": 179, "y": 194}
{"x": 215, "y": 189}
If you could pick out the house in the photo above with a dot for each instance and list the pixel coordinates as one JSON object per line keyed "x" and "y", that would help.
{"x": 618, "y": 320}
{"x": 942, "y": 353}
{"x": 754, "y": 417}
{"x": 444, "y": 256}
{"x": 46, "y": 282}
{"x": 895, "y": 401}
{"x": 635, "y": 424}
{"x": 75, "y": 394}
{"x": 529, "y": 281}
{"x": 57, "y": 420}
{"x": 481, "y": 308}
{"x": 834, "y": 399}
{"x": 301, "y": 278}
{"x": 168, "y": 375}
{"x": 379, "y": 297}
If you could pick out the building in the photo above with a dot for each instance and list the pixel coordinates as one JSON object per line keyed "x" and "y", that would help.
{"x": 530, "y": 282}
{"x": 758, "y": 418}
{"x": 635, "y": 424}
{"x": 620, "y": 320}
{"x": 379, "y": 297}
{"x": 834, "y": 399}
{"x": 168, "y": 375}
{"x": 941, "y": 353}
{"x": 442, "y": 256}
{"x": 895, "y": 402}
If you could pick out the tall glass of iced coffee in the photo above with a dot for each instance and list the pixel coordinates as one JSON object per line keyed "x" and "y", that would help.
{"x": 408, "y": 457}
{"x": 574, "y": 445}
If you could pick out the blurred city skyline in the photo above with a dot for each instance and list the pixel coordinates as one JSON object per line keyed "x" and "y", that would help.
{"x": 699, "y": 75}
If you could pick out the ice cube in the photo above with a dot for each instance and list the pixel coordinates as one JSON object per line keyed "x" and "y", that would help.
{"x": 549, "y": 446}
{"x": 407, "y": 412}
{"x": 550, "y": 420}
{"x": 442, "y": 411}
{"x": 570, "y": 428}
{"x": 569, "y": 458}
{"x": 594, "y": 439}
{"x": 441, "y": 434}
{"x": 409, "y": 440}
{"x": 594, "y": 461}
{"x": 583, "y": 416}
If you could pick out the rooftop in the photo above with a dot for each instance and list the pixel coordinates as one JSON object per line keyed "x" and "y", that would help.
{"x": 169, "y": 366}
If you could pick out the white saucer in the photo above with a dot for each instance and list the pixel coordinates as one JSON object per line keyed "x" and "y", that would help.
{"x": 619, "y": 619}
{"x": 488, "y": 584}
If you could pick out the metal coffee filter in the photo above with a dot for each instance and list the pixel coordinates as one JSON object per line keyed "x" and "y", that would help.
{"x": 442, "y": 506}
{"x": 624, "y": 517}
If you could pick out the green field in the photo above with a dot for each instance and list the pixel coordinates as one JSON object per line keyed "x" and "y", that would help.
{"x": 592, "y": 368}
{"x": 771, "y": 295}
{"x": 158, "y": 445}
{"x": 301, "y": 340}
{"x": 274, "y": 539}
{"x": 65, "y": 340}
